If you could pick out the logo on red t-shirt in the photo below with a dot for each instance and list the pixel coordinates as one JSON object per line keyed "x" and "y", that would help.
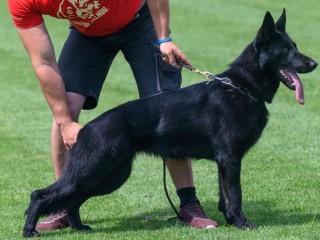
{"x": 81, "y": 12}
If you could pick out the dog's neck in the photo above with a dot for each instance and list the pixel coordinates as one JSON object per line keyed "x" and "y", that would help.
{"x": 244, "y": 71}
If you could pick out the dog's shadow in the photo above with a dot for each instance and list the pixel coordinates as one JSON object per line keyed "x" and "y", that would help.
{"x": 261, "y": 213}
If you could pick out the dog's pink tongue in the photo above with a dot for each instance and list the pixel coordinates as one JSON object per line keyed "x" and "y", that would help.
{"x": 299, "y": 88}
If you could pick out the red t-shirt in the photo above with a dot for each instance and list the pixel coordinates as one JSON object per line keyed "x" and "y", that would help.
{"x": 91, "y": 17}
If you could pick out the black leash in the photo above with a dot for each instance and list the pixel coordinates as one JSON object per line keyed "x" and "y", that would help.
{"x": 166, "y": 191}
{"x": 211, "y": 77}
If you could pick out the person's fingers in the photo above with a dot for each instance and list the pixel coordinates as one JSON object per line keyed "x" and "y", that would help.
{"x": 165, "y": 59}
{"x": 173, "y": 55}
{"x": 68, "y": 146}
{"x": 70, "y": 133}
{"x": 172, "y": 59}
{"x": 181, "y": 57}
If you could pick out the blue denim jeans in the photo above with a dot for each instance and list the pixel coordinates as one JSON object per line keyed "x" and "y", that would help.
{"x": 85, "y": 60}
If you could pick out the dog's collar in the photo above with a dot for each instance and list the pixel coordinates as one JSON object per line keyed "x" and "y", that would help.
{"x": 228, "y": 81}
{"x": 211, "y": 77}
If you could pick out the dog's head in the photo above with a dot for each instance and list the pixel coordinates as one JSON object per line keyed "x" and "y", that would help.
{"x": 279, "y": 56}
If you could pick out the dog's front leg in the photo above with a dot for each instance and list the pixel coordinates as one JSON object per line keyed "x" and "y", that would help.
{"x": 230, "y": 202}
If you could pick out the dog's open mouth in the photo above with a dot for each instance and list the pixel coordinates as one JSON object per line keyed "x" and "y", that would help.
{"x": 293, "y": 82}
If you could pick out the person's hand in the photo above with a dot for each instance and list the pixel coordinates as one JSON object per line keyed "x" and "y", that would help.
{"x": 69, "y": 133}
{"x": 172, "y": 54}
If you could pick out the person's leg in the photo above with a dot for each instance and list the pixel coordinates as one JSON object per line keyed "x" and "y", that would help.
{"x": 153, "y": 75}
{"x": 83, "y": 65}
{"x": 58, "y": 150}
{"x": 181, "y": 173}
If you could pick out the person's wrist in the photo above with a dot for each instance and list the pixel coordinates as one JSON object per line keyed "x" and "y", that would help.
{"x": 63, "y": 123}
{"x": 164, "y": 40}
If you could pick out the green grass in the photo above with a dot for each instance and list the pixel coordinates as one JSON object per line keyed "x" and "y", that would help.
{"x": 280, "y": 174}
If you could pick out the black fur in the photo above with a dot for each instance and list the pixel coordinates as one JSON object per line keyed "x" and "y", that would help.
{"x": 212, "y": 121}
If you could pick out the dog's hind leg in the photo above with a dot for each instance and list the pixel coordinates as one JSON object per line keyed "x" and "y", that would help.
{"x": 114, "y": 180}
{"x": 46, "y": 201}
{"x": 33, "y": 214}
{"x": 106, "y": 185}
{"x": 74, "y": 217}
{"x": 38, "y": 203}
{"x": 230, "y": 202}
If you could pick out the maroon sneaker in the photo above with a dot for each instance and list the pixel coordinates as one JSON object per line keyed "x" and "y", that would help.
{"x": 54, "y": 221}
{"x": 193, "y": 214}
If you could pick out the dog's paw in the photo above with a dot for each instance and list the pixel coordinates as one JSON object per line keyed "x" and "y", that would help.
{"x": 83, "y": 228}
{"x": 246, "y": 225}
{"x": 31, "y": 234}
{"x": 249, "y": 226}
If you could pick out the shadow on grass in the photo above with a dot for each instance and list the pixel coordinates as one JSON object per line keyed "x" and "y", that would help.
{"x": 262, "y": 213}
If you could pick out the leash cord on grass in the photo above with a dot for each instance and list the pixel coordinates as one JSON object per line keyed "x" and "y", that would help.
{"x": 166, "y": 190}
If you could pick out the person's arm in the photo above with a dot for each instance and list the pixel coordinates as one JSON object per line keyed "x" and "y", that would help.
{"x": 38, "y": 45}
{"x": 159, "y": 10}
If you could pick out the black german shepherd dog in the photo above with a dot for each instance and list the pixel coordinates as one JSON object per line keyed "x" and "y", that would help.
{"x": 216, "y": 120}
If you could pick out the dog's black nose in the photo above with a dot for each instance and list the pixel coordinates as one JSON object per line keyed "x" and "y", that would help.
{"x": 312, "y": 64}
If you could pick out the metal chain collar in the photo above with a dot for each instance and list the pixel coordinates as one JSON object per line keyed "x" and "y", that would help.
{"x": 211, "y": 77}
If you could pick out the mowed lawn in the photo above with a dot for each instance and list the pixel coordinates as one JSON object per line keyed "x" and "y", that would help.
{"x": 281, "y": 174}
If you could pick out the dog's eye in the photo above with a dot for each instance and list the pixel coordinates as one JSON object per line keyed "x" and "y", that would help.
{"x": 285, "y": 50}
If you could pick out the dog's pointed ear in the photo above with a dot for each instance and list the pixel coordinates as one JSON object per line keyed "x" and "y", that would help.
{"x": 281, "y": 23}
{"x": 268, "y": 26}
{"x": 266, "y": 31}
